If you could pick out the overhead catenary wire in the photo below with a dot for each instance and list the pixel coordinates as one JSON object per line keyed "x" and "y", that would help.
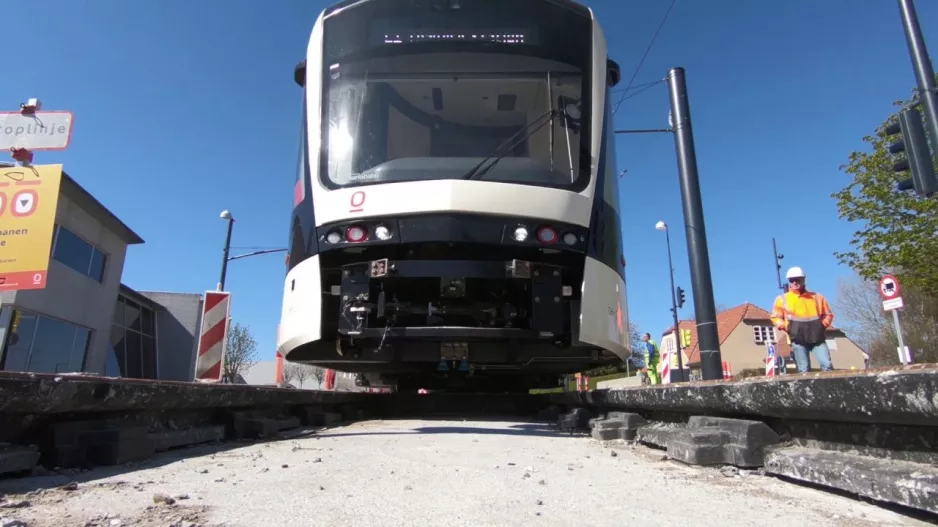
{"x": 252, "y": 248}
{"x": 647, "y": 87}
{"x": 637, "y": 86}
{"x": 644, "y": 55}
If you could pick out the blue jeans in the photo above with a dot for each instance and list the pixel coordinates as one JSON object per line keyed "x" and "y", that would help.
{"x": 803, "y": 356}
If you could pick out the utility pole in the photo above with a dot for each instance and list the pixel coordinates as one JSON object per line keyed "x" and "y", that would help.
{"x": 778, "y": 267}
{"x": 924, "y": 74}
{"x": 662, "y": 226}
{"x": 224, "y": 261}
{"x": 711, "y": 364}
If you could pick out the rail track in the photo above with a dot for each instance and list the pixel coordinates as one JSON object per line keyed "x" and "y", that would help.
{"x": 872, "y": 434}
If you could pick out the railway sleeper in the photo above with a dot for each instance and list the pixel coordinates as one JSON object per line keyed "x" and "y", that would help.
{"x": 881, "y": 467}
{"x": 86, "y": 441}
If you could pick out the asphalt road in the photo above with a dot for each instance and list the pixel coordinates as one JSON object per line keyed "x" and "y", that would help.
{"x": 424, "y": 473}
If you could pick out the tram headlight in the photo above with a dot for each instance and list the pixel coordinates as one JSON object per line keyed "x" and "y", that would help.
{"x": 382, "y": 232}
{"x": 569, "y": 238}
{"x": 333, "y": 238}
{"x": 521, "y": 234}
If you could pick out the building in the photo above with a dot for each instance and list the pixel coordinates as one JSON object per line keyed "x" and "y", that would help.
{"x": 263, "y": 372}
{"x": 745, "y": 332}
{"x": 169, "y": 322}
{"x": 85, "y": 319}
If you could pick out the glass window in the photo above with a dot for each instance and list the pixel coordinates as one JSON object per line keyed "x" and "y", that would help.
{"x": 146, "y": 321}
{"x": 148, "y": 357}
{"x": 78, "y": 254}
{"x": 79, "y": 349}
{"x": 131, "y": 315}
{"x": 132, "y": 349}
{"x": 134, "y": 340}
{"x": 52, "y": 347}
{"x": 764, "y": 335}
{"x": 45, "y": 345}
{"x": 72, "y": 250}
{"x": 22, "y": 329}
{"x": 498, "y": 91}
{"x": 119, "y": 311}
{"x": 96, "y": 270}
{"x": 117, "y": 341}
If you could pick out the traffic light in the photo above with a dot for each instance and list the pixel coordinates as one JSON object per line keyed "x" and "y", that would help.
{"x": 918, "y": 159}
{"x": 685, "y": 338}
{"x": 680, "y": 297}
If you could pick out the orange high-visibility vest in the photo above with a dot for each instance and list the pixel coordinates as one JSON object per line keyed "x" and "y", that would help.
{"x": 804, "y": 316}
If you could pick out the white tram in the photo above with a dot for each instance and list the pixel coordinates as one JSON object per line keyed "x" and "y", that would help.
{"x": 456, "y": 212}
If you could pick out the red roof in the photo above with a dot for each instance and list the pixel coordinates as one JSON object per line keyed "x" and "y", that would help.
{"x": 727, "y": 321}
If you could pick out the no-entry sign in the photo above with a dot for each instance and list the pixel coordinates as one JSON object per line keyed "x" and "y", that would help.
{"x": 889, "y": 287}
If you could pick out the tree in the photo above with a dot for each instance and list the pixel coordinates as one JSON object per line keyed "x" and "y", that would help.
{"x": 289, "y": 372}
{"x": 241, "y": 353}
{"x": 319, "y": 373}
{"x": 860, "y": 311}
{"x": 897, "y": 229}
{"x": 637, "y": 358}
{"x": 302, "y": 373}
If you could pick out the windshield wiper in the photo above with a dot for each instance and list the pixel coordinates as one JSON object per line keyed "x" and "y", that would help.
{"x": 512, "y": 141}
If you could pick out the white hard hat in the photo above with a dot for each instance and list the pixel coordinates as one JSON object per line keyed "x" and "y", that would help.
{"x": 794, "y": 272}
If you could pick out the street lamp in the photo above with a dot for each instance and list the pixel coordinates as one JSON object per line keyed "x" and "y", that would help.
{"x": 662, "y": 226}
{"x": 225, "y": 215}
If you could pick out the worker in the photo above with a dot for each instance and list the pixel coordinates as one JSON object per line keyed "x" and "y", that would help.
{"x": 651, "y": 359}
{"x": 805, "y": 316}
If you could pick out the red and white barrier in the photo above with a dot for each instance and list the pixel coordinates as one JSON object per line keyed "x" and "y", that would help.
{"x": 665, "y": 366}
{"x": 770, "y": 366}
{"x": 278, "y": 369}
{"x": 213, "y": 339}
{"x": 727, "y": 371}
{"x": 278, "y": 365}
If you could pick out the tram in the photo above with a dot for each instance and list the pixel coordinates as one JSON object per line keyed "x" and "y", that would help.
{"x": 455, "y": 217}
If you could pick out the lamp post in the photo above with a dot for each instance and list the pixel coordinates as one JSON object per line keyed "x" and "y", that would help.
{"x": 662, "y": 226}
{"x": 225, "y": 215}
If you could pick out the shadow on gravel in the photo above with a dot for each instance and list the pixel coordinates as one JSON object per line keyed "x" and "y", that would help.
{"x": 527, "y": 429}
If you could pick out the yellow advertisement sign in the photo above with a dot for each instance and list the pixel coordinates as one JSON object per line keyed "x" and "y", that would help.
{"x": 28, "y": 200}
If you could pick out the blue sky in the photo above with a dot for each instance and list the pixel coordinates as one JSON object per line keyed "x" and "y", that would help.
{"x": 183, "y": 109}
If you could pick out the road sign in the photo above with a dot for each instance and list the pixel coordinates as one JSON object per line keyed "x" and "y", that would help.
{"x": 36, "y": 131}
{"x": 888, "y": 287}
{"x": 213, "y": 339}
{"x": 28, "y": 199}
{"x": 893, "y": 303}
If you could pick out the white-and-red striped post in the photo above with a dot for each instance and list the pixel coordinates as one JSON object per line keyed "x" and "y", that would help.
{"x": 665, "y": 368}
{"x": 213, "y": 339}
{"x": 770, "y": 362}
